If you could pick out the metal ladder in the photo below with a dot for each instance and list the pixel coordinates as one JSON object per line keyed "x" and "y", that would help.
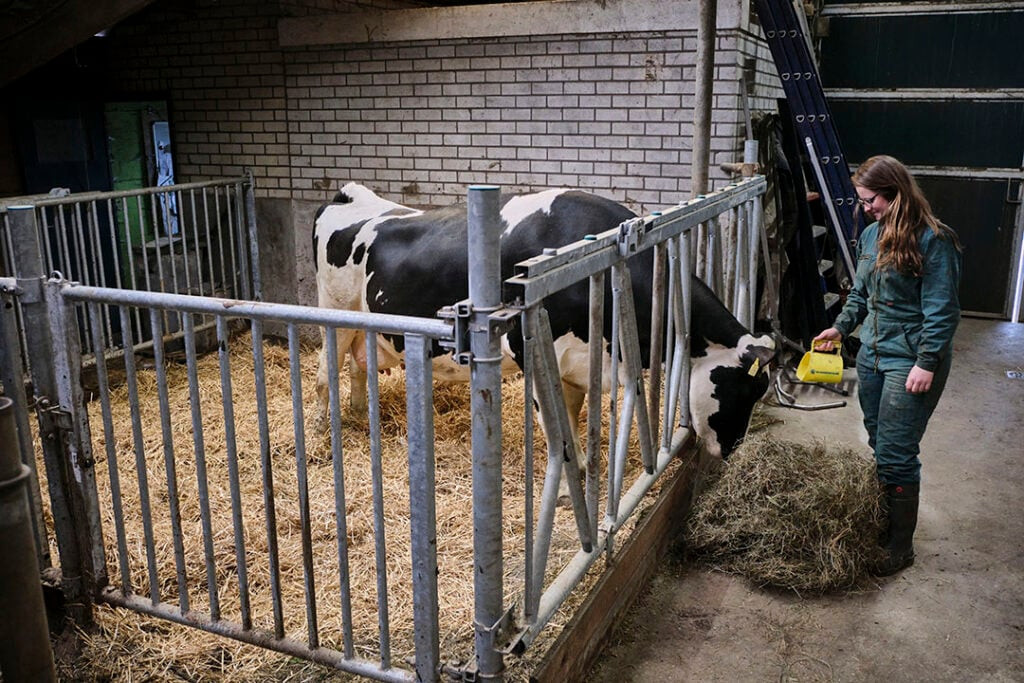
{"x": 813, "y": 121}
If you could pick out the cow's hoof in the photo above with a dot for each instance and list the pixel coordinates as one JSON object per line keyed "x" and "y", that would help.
{"x": 564, "y": 500}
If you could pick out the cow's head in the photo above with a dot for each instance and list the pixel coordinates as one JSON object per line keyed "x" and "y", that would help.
{"x": 724, "y": 386}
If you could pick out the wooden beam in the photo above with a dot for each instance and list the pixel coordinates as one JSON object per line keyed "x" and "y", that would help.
{"x": 56, "y": 29}
{"x": 581, "y": 641}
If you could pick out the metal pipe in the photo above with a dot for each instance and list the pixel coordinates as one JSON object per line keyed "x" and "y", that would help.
{"x": 12, "y": 375}
{"x": 261, "y": 638}
{"x": 422, "y": 513}
{"x": 705, "y": 81}
{"x": 484, "y": 223}
{"x": 25, "y": 653}
{"x": 311, "y": 315}
{"x": 231, "y": 448}
{"x": 202, "y": 479}
{"x": 377, "y": 481}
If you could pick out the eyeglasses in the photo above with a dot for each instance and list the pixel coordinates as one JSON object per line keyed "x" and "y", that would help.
{"x": 869, "y": 200}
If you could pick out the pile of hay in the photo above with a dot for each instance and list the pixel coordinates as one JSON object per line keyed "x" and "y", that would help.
{"x": 799, "y": 517}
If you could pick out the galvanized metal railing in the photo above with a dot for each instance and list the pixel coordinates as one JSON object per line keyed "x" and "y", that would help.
{"x": 148, "y": 595}
{"x": 734, "y": 212}
{"x": 192, "y": 238}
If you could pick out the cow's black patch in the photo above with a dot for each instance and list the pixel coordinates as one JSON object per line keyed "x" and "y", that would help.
{"x": 736, "y": 392}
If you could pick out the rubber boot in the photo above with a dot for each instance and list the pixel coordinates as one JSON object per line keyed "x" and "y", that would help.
{"x": 901, "y": 500}
{"x": 883, "y": 511}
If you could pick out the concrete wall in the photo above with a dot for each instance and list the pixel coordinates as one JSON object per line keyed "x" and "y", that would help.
{"x": 419, "y": 103}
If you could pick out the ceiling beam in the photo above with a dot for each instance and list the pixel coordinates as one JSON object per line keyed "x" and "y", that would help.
{"x": 53, "y": 28}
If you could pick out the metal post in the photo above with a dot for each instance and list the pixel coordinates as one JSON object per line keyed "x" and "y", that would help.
{"x": 422, "y": 512}
{"x": 254, "y": 248}
{"x": 485, "y": 403}
{"x": 13, "y": 378}
{"x": 25, "y": 653}
{"x": 54, "y": 432}
{"x": 702, "y": 97}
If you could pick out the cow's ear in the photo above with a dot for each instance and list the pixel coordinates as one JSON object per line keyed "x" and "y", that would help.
{"x": 756, "y": 358}
{"x": 342, "y": 198}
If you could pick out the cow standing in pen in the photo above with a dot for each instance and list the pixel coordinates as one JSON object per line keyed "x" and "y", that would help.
{"x": 375, "y": 255}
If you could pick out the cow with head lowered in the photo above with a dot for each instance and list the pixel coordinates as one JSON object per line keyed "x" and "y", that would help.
{"x": 375, "y": 255}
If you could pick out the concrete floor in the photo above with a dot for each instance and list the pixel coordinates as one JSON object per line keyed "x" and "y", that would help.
{"x": 956, "y": 615}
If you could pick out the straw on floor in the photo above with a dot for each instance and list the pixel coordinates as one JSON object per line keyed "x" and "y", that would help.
{"x": 128, "y": 646}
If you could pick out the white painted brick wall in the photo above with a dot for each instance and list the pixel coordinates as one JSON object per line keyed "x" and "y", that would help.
{"x": 419, "y": 121}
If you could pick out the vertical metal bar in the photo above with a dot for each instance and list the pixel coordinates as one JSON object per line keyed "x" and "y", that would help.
{"x": 377, "y": 481}
{"x": 266, "y": 465}
{"x": 13, "y": 377}
{"x": 25, "y": 653}
{"x": 169, "y": 464}
{"x": 254, "y": 245}
{"x": 630, "y": 343}
{"x": 231, "y": 237}
{"x": 196, "y": 243}
{"x": 595, "y": 349}
{"x": 224, "y": 356}
{"x": 67, "y": 267}
{"x": 165, "y": 208}
{"x": 658, "y": 296}
{"x": 561, "y": 449}
{"x": 185, "y": 251}
{"x": 97, "y": 242}
{"x": 45, "y": 231}
{"x": 754, "y": 228}
{"x": 141, "y": 471}
{"x": 529, "y": 605}
{"x": 672, "y": 342}
{"x": 202, "y": 480}
{"x": 422, "y": 518}
{"x": 686, "y": 283}
{"x": 82, "y": 261}
{"x": 209, "y": 242}
{"x": 337, "y": 459}
{"x": 739, "y": 278}
{"x": 243, "y": 259}
{"x": 303, "y": 484}
{"x": 484, "y": 222}
{"x": 113, "y": 469}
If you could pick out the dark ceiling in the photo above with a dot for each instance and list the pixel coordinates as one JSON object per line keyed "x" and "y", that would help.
{"x": 32, "y": 32}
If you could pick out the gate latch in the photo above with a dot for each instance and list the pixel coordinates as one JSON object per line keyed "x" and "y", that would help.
{"x": 629, "y": 236}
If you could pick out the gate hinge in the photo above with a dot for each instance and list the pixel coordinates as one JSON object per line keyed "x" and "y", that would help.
{"x": 458, "y": 315}
{"x": 466, "y": 319}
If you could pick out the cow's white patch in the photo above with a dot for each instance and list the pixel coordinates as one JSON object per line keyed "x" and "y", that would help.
{"x": 519, "y": 208}
{"x": 703, "y": 403}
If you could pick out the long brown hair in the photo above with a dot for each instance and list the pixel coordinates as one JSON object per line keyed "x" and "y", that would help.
{"x": 909, "y": 213}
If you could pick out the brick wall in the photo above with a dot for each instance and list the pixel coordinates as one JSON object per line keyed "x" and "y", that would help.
{"x": 420, "y": 120}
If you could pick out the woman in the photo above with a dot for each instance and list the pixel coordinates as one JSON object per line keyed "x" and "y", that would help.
{"x": 905, "y": 298}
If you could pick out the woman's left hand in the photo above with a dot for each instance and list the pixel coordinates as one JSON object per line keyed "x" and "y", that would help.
{"x": 919, "y": 381}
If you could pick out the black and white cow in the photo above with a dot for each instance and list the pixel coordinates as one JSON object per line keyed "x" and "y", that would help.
{"x": 375, "y": 255}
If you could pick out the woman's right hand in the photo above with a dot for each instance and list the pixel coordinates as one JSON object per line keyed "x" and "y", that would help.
{"x": 826, "y": 337}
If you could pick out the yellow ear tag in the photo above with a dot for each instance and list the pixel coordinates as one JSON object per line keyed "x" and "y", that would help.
{"x": 754, "y": 367}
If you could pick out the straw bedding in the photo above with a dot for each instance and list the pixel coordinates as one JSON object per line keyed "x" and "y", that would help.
{"x": 129, "y": 646}
{"x": 798, "y": 517}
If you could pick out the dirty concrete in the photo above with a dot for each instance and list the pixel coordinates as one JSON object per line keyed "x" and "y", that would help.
{"x": 956, "y": 615}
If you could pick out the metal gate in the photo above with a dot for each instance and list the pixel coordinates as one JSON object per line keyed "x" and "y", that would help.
{"x": 151, "y": 471}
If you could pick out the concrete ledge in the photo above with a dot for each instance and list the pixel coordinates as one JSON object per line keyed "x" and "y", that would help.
{"x": 556, "y": 17}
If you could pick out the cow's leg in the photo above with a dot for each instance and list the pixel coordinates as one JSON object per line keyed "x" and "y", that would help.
{"x": 344, "y": 339}
{"x": 574, "y": 397}
{"x": 357, "y": 396}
